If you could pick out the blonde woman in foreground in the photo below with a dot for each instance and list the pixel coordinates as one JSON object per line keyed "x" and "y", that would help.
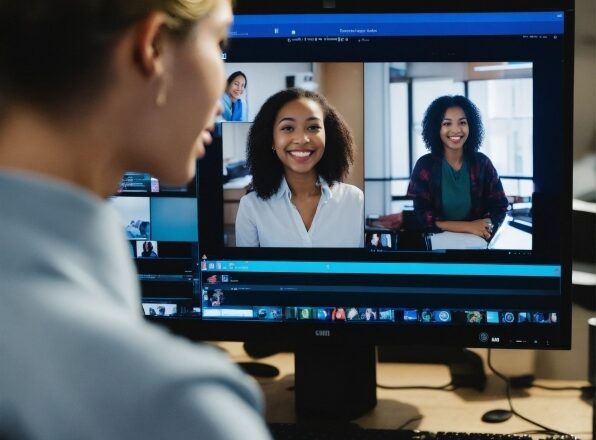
{"x": 89, "y": 90}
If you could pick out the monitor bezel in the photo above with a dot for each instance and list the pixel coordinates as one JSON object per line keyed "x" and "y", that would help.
{"x": 534, "y": 336}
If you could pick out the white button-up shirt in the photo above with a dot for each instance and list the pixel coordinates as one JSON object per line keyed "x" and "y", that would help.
{"x": 276, "y": 222}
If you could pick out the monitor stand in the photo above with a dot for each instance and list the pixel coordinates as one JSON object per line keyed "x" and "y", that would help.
{"x": 335, "y": 382}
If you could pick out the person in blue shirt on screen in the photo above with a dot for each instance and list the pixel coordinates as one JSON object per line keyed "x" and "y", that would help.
{"x": 234, "y": 107}
{"x": 88, "y": 90}
{"x": 299, "y": 151}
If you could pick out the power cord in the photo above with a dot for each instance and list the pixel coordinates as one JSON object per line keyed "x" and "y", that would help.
{"x": 446, "y": 387}
{"x": 407, "y": 422}
{"x": 507, "y": 381}
{"x": 527, "y": 381}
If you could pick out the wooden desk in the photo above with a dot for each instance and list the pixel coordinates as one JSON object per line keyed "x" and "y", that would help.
{"x": 458, "y": 410}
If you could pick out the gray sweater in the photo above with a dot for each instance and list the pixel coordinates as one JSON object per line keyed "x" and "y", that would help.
{"x": 77, "y": 359}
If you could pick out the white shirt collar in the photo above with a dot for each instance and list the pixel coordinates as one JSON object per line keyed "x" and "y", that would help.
{"x": 284, "y": 190}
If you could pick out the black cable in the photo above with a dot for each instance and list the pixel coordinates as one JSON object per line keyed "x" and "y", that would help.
{"x": 544, "y": 387}
{"x": 541, "y": 431}
{"x": 406, "y": 423}
{"x": 446, "y": 387}
{"x": 507, "y": 381}
{"x": 527, "y": 381}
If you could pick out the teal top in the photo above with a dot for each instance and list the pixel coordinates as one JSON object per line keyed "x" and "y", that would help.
{"x": 455, "y": 191}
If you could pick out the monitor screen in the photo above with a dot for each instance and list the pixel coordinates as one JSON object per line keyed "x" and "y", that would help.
{"x": 390, "y": 176}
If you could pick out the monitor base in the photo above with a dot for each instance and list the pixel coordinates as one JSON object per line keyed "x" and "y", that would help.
{"x": 335, "y": 382}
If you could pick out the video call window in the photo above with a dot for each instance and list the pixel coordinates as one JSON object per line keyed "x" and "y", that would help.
{"x": 147, "y": 249}
{"x": 148, "y": 218}
{"x": 135, "y": 216}
{"x": 237, "y": 177}
{"x": 385, "y": 114}
{"x": 502, "y": 92}
{"x": 161, "y": 224}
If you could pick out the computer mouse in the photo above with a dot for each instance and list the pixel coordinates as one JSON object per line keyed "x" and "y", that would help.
{"x": 496, "y": 416}
{"x": 259, "y": 369}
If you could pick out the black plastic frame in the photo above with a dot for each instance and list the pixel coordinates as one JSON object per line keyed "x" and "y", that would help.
{"x": 536, "y": 336}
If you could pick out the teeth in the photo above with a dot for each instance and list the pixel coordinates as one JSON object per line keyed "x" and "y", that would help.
{"x": 300, "y": 153}
{"x": 455, "y": 138}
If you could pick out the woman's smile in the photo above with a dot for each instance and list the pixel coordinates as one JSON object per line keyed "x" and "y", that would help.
{"x": 301, "y": 155}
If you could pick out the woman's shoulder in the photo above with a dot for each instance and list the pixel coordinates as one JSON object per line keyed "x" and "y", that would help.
{"x": 481, "y": 159}
{"x": 426, "y": 166}
{"x": 249, "y": 199}
{"x": 346, "y": 189}
{"x": 349, "y": 187}
{"x": 427, "y": 159}
{"x": 347, "y": 195}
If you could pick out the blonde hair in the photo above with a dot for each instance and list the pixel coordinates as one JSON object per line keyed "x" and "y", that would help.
{"x": 181, "y": 13}
{"x": 54, "y": 52}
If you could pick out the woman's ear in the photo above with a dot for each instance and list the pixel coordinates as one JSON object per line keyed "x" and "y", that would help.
{"x": 148, "y": 44}
{"x": 149, "y": 49}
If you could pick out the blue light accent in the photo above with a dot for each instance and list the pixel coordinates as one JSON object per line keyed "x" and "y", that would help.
{"x": 397, "y": 24}
{"x": 374, "y": 268}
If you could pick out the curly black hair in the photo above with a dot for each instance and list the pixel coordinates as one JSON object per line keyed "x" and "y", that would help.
{"x": 266, "y": 168}
{"x": 433, "y": 117}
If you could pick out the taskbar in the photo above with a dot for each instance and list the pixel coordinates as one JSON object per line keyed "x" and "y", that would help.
{"x": 356, "y": 315}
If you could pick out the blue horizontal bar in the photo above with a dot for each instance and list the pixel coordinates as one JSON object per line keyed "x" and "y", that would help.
{"x": 384, "y": 25}
{"x": 381, "y": 268}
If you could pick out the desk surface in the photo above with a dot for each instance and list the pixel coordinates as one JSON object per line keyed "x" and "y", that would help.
{"x": 458, "y": 410}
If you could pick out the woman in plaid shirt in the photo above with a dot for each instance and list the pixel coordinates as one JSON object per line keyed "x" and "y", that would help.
{"x": 456, "y": 188}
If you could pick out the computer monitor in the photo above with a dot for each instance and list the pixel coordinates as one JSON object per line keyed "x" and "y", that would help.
{"x": 333, "y": 293}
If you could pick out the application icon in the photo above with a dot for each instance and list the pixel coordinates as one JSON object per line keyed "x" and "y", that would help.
{"x": 322, "y": 314}
{"x": 305, "y": 314}
{"x": 338, "y": 314}
{"x": 554, "y": 318}
{"x": 426, "y": 315}
{"x": 474, "y": 317}
{"x": 353, "y": 314}
{"x": 442, "y": 316}
{"x": 386, "y": 314}
{"x": 492, "y": 317}
{"x": 523, "y": 317}
{"x": 410, "y": 315}
{"x": 508, "y": 317}
{"x": 539, "y": 317}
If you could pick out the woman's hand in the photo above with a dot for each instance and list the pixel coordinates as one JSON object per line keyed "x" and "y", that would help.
{"x": 480, "y": 227}
{"x": 390, "y": 221}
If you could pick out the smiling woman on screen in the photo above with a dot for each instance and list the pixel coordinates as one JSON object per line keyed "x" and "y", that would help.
{"x": 455, "y": 187}
{"x": 299, "y": 151}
